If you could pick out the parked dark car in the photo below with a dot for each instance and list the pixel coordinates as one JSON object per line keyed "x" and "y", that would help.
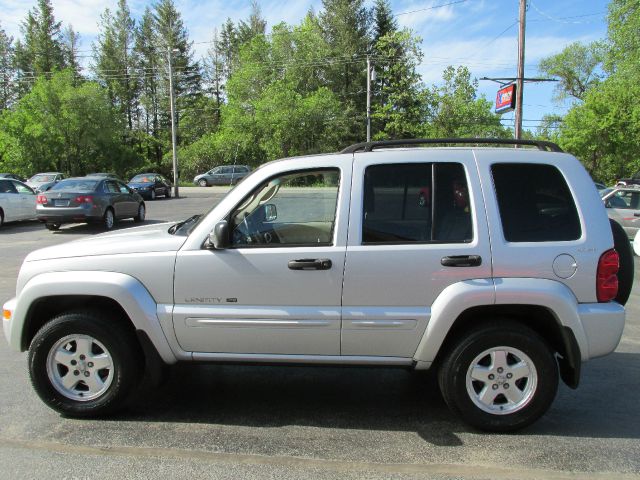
{"x": 151, "y": 185}
{"x": 13, "y": 176}
{"x": 222, "y": 175}
{"x": 89, "y": 200}
{"x": 112, "y": 176}
{"x": 633, "y": 180}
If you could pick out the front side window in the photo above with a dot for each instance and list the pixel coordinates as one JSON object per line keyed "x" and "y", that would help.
{"x": 535, "y": 203}
{"x": 416, "y": 203}
{"x": 295, "y": 209}
{"x": 624, "y": 199}
{"x": 20, "y": 188}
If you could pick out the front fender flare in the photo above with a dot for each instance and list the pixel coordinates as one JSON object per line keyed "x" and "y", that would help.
{"x": 126, "y": 290}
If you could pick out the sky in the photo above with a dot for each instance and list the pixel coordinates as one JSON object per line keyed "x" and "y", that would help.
{"x": 481, "y": 34}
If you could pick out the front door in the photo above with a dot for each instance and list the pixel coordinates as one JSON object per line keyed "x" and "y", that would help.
{"x": 277, "y": 288}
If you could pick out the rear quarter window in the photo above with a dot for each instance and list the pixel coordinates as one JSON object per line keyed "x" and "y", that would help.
{"x": 535, "y": 203}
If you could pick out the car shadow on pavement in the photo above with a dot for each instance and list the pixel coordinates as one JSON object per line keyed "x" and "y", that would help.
{"x": 604, "y": 406}
{"x": 262, "y": 396}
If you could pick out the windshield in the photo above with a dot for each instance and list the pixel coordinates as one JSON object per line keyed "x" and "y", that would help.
{"x": 42, "y": 178}
{"x": 75, "y": 185}
{"x": 142, "y": 179}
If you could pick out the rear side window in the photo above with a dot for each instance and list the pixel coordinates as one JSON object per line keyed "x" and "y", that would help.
{"x": 535, "y": 203}
{"x": 416, "y": 203}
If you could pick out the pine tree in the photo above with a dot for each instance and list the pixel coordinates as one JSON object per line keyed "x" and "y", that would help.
{"x": 115, "y": 60}
{"x": 149, "y": 70}
{"x": 228, "y": 48}
{"x": 384, "y": 21}
{"x": 345, "y": 24}
{"x": 70, "y": 42}
{"x": 7, "y": 71}
{"x": 256, "y": 25}
{"x": 214, "y": 66}
{"x": 46, "y": 46}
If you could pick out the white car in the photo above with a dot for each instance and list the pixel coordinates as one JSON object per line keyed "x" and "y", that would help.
{"x": 17, "y": 201}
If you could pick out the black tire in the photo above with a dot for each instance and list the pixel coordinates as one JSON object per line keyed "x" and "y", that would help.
{"x": 203, "y": 182}
{"x": 106, "y": 222}
{"x": 1, "y": 217}
{"x": 167, "y": 193}
{"x": 463, "y": 395}
{"x": 52, "y": 226}
{"x": 120, "y": 379}
{"x": 142, "y": 212}
{"x": 625, "y": 273}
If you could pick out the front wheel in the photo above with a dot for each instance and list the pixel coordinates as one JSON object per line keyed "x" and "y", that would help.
{"x": 82, "y": 364}
{"x": 203, "y": 183}
{"x": 500, "y": 377}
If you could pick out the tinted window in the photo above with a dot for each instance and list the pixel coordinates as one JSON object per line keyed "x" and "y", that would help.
{"x": 6, "y": 186}
{"x": 416, "y": 203}
{"x": 535, "y": 203}
{"x": 624, "y": 199}
{"x": 75, "y": 185}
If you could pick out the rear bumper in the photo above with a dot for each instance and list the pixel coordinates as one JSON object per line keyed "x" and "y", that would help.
{"x": 603, "y": 324}
{"x": 69, "y": 214}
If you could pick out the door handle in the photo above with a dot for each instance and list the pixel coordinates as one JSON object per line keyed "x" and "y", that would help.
{"x": 461, "y": 261}
{"x": 310, "y": 264}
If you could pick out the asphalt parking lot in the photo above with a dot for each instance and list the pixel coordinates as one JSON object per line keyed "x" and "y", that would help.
{"x": 293, "y": 422}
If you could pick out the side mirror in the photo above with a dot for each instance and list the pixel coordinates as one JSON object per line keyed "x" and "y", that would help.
{"x": 270, "y": 212}
{"x": 219, "y": 238}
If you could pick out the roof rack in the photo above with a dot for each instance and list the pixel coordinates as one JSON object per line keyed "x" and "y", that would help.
{"x": 370, "y": 146}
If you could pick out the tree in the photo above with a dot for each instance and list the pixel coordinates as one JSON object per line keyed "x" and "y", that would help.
{"x": 456, "y": 111}
{"x": 7, "y": 71}
{"x": 577, "y": 67}
{"x": 400, "y": 100}
{"x": 345, "y": 25}
{"x": 70, "y": 42}
{"x": 65, "y": 127}
{"x": 115, "y": 60}
{"x": 384, "y": 21}
{"x": 256, "y": 25}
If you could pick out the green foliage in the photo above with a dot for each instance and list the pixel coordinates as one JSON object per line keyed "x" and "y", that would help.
{"x": 576, "y": 68}
{"x": 455, "y": 110}
{"x": 64, "y": 127}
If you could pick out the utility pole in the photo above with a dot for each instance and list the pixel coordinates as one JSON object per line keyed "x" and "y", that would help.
{"x": 368, "y": 98}
{"x": 520, "y": 75}
{"x": 173, "y": 126}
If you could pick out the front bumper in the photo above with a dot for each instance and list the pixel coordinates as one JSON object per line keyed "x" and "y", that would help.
{"x": 6, "y": 323}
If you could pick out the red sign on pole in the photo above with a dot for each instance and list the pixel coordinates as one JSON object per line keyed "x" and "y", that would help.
{"x": 506, "y": 99}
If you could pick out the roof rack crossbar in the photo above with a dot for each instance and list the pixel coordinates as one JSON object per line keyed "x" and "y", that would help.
{"x": 370, "y": 146}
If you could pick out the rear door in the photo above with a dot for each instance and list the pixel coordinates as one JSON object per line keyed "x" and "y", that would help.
{"x": 27, "y": 200}
{"x": 10, "y": 200}
{"x": 417, "y": 227}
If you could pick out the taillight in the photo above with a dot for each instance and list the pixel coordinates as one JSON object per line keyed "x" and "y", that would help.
{"x": 606, "y": 278}
{"x": 84, "y": 199}
{"x": 41, "y": 199}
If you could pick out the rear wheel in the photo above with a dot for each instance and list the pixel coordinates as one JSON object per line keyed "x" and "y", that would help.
{"x": 108, "y": 220}
{"x": 83, "y": 364}
{"x": 52, "y": 226}
{"x": 500, "y": 377}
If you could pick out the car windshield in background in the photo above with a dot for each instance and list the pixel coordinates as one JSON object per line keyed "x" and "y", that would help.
{"x": 142, "y": 179}
{"x": 79, "y": 185}
{"x": 42, "y": 178}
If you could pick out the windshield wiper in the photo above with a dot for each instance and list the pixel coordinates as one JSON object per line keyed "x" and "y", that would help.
{"x": 192, "y": 218}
